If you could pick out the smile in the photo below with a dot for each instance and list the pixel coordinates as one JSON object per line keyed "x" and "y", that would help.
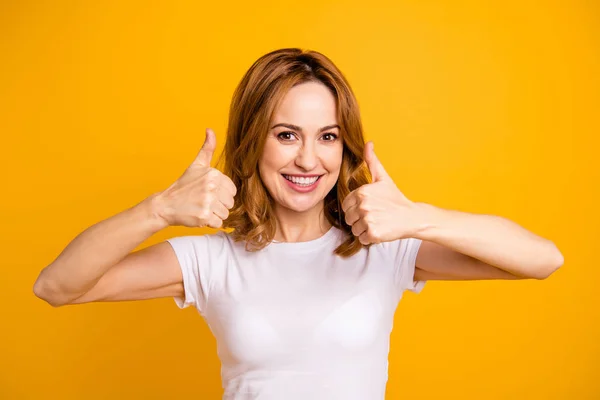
{"x": 302, "y": 184}
{"x": 302, "y": 181}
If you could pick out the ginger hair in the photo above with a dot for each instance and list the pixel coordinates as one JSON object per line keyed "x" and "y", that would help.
{"x": 253, "y": 105}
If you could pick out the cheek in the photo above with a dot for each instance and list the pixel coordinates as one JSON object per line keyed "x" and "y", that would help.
{"x": 270, "y": 162}
{"x": 276, "y": 157}
{"x": 334, "y": 160}
{"x": 268, "y": 166}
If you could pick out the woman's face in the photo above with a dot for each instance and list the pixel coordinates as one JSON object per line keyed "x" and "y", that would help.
{"x": 302, "y": 156}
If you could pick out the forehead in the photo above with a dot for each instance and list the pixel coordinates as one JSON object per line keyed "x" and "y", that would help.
{"x": 306, "y": 104}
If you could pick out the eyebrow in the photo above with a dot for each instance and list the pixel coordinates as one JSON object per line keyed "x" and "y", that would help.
{"x": 297, "y": 128}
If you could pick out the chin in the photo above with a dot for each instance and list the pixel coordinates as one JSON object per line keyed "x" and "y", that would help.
{"x": 300, "y": 206}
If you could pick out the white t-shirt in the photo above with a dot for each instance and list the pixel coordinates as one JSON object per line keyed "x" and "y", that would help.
{"x": 293, "y": 320}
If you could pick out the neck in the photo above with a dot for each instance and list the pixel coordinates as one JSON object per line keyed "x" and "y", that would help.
{"x": 295, "y": 226}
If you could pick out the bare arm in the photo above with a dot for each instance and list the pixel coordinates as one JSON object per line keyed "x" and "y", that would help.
{"x": 94, "y": 251}
{"x": 480, "y": 246}
{"x": 99, "y": 265}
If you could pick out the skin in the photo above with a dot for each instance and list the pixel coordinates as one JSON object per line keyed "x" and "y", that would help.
{"x": 309, "y": 106}
{"x": 456, "y": 245}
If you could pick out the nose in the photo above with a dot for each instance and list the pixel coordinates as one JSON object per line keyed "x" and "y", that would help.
{"x": 307, "y": 158}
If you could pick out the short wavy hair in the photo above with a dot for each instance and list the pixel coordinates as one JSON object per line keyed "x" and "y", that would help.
{"x": 253, "y": 106}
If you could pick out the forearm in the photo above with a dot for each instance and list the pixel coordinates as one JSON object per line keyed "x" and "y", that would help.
{"x": 94, "y": 251}
{"x": 492, "y": 239}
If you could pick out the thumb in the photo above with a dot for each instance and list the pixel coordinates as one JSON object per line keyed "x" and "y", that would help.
{"x": 205, "y": 154}
{"x": 377, "y": 171}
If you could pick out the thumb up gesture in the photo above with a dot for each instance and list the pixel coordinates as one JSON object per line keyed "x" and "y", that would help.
{"x": 378, "y": 211}
{"x": 202, "y": 196}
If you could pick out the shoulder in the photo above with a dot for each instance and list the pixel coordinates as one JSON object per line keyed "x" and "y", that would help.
{"x": 400, "y": 249}
{"x": 212, "y": 242}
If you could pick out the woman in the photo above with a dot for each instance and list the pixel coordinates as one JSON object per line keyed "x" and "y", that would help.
{"x": 301, "y": 294}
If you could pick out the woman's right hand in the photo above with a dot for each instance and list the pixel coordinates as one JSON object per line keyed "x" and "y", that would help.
{"x": 202, "y": 196}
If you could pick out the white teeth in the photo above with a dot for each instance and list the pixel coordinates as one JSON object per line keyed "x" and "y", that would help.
{"x": 301, "y": 180}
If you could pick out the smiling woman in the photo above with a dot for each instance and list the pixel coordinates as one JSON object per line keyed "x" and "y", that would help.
{"x": 303, "y": 182}
{"x": 293, "y": 118}
{"x": 308, "y": 159}
{"x": 301, "y": 295}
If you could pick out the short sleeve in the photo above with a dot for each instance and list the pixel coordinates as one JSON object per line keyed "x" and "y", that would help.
{"x": 198, "y": 257}
{"x": 404, "y": 253}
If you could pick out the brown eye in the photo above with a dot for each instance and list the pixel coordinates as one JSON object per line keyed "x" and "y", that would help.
{"x": 332, "y": 135}
{"x": 285, "y": 136}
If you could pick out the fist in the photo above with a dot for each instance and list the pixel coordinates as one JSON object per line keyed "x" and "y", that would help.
{"x": 202, "y": 196}
{"x": 378, "y": 211}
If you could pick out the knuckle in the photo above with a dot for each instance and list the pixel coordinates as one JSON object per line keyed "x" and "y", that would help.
{"x": 362, "y": 192}
{"x": 203, "y": 215}
{"x": 373, "y": 235}
{"x": 228, "y": 181}
{"x": 213, "y": 173}
{"x": 211, "y": 186}
{"x": 363, "y": 207}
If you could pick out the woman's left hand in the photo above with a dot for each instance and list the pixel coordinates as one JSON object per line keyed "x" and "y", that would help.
{"x": 378, "y": 211}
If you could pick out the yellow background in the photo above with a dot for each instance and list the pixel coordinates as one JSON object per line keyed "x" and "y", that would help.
{"x": 482, "y": 108}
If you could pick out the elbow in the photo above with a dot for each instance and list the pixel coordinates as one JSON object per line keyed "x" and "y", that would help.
{"x": 550, "y": 267}
{"x": 44, "y": 290}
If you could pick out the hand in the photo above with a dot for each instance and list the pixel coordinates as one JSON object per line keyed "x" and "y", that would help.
{"x": 202, "y": 196}
{"x": 378, "y": 211}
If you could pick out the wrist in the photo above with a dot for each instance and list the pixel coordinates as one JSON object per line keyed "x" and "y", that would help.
{"x": 429, "y": 219}
{"x": 152, "y": 209}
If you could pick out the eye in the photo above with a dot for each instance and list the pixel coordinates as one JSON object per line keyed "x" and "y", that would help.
{"x": 285, "y": 136}
{"x": 333, "y": 136}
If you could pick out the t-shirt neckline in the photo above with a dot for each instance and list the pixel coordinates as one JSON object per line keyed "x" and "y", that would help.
{"x": 310, "y": 244}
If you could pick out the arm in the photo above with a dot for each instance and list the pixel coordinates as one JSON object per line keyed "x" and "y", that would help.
{"x": 458, "y": 245}
{"x": 455, "y": 245}
{"x": 87, "y": 263}
{"x": 98, "y": 264}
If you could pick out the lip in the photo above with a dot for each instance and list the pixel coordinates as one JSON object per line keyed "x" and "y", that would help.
{"x": 302, "y": 189}
{"x": 303, "y": 176}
